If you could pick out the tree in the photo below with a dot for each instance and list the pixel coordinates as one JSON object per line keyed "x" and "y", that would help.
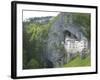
{"x": 34, "y": 42}
{"x": 83, "y": 19}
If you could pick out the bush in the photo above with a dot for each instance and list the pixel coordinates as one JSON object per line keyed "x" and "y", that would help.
{"x": 33, "y": 64}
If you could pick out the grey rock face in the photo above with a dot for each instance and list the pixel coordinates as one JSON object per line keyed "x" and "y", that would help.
{"x": 56, "y": 53}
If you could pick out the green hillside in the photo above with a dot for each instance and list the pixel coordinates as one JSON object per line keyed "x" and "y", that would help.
{"x": 77, "y": 62}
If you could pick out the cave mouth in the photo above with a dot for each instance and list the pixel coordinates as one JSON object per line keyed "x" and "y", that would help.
{"x": 68, "y": 34}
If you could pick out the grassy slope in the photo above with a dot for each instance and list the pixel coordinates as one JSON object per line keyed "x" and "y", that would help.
{"x": 77, "y": 62}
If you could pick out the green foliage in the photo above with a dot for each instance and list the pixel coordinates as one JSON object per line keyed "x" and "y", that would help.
{"x": 83, "y": 19}
{"x": 33, "y": 64}
{"x": 34, "y": 42}
{"x": 78, "y": 62}
{"x": 38, "y": 31}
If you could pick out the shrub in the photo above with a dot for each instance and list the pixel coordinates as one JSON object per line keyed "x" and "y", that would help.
{"x": 33, "y": 64}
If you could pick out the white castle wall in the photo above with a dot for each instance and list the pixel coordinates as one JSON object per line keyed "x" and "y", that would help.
{"x": 74, "y": 46}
